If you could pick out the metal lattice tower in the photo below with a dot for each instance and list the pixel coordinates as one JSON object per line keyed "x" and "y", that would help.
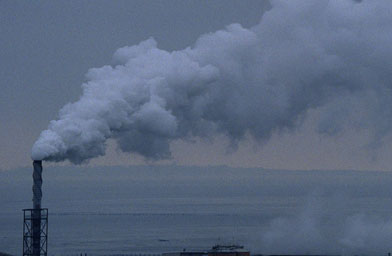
{"x": 35, "y": 232}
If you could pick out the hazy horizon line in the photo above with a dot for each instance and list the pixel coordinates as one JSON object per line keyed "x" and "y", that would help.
{"x": 88, "y": 166}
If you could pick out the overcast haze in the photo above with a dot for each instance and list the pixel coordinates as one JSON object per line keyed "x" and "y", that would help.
{"x": 316, "y": 140}
{"x": 48, "y": 47}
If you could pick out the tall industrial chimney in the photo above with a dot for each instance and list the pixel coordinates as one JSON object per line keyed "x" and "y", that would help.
{"x": 37, "y": 196}
{"x": 35, "y": 227}
{"x": 37, "y": 184}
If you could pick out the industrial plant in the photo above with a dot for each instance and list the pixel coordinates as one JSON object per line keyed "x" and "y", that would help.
{"x": 217, "y": 250}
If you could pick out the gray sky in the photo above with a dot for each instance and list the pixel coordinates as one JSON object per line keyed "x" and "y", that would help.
{"x": 48, "y": 46}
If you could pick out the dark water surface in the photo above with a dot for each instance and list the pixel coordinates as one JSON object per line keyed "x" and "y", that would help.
{"x": 156, "y": 225}
{"x": 128, "y": 210}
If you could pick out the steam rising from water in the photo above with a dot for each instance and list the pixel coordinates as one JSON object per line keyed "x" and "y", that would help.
{"x": 318, "y": 229}
{"x": 237, "y": 81}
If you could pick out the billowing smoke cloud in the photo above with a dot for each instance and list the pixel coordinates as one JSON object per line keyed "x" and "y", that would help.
{"x": 236, "y": 82}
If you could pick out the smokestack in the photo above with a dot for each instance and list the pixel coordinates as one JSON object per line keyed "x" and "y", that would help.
{"x": 37, "y": 185}
{"x": 36, "y": 214}
{"x": 35, "y": 220}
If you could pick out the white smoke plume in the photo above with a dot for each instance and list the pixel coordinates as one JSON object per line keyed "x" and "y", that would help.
{"x": 236, "y": 82}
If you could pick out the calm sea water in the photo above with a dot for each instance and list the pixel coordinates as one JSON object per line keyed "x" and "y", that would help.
{"x": 149, "y": 225}
{"x": 148, "y": 210}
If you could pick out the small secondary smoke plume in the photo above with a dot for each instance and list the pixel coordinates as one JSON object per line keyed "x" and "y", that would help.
{"x": 318, "y": 229}
{"x": 237, "y": 81}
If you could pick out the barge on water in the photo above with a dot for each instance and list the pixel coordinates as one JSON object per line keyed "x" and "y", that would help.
{"x": 232, "y": 250}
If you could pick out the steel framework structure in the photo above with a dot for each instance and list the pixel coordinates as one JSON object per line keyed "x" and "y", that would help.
{"x": 35, "y": 232}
